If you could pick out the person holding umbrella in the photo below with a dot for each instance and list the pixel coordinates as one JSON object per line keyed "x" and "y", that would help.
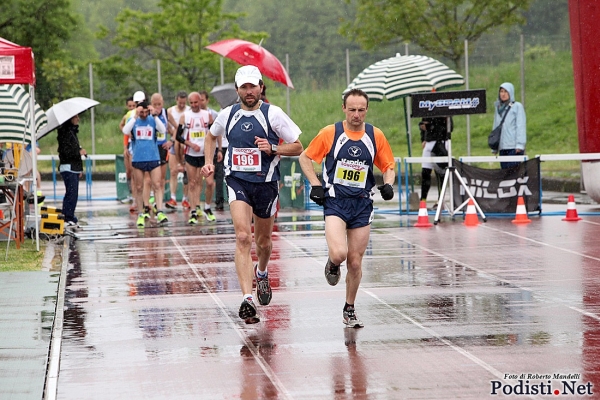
{"x": 349, "y": 149}
{"x": 71, "y": 166}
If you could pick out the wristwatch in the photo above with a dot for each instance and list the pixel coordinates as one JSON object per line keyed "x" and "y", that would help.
{"x": 273, "y": 149}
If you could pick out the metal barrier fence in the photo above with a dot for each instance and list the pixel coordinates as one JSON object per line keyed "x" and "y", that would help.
{"x": 309, "y": 205}
{"x": 88, "y": 171}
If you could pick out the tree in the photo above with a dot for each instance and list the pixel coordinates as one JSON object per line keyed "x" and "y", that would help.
{"x": 437, "y": 26}
{"x": 43, "y": 25}
{"x": 308, "y": 30}
{"x": 176, "y": 35}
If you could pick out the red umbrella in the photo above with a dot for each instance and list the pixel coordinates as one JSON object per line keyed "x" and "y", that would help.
{"x": 248, "y": 53}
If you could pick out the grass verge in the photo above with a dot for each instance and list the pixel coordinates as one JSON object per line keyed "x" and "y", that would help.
{"x": 27, "y": 258}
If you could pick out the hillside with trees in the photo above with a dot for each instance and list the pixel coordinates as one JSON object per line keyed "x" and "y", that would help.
{"x": 123, "y": 39}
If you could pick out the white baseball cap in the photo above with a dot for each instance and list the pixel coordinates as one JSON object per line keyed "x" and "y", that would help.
{"x": 247, "y": 74}
{"x": 139, "y": 96}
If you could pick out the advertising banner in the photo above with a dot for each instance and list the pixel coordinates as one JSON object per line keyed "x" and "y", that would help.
{"x": 497, "y": 190}
{"x": 447, "y": 104}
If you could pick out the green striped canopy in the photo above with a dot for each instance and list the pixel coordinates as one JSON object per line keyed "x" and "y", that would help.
{"x": 14, "y": 115}
{"x": 401, "y": 76}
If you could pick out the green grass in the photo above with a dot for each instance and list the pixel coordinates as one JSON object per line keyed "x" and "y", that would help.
{"x": 550, "y": 109}
{"x": 27, "y": 258}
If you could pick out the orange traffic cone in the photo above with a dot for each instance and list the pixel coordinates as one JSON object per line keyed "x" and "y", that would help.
{"x": 521, "y": 216}
{"x": 571, "y": 210}
{"x": 423, "y": 220}
{"x": 471, "y": 218}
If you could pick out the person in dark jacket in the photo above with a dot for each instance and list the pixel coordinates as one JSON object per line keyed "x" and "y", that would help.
{"x": 434, "y": 136}
{"x": 71, "y": 166}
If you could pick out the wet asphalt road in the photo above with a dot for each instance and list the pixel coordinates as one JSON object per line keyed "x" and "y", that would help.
{"x": 449, "y": 311}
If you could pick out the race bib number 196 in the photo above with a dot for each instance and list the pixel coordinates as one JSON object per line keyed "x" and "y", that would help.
{"x": 245, "y": 160}
{"x": 349, "y": 174}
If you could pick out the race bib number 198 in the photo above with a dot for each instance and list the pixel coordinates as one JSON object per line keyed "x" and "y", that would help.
{"x": 245, "y": 160}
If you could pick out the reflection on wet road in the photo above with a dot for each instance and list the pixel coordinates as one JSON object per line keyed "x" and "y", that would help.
{"x": 448, "y": 310}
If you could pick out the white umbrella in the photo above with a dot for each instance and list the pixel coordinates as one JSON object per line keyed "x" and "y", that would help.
{"x": 14, "y": 114}
{"x": 400, "y": 76}
{"x": 64, "y": 111}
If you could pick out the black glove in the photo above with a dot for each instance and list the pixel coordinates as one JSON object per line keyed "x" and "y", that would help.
{"x": 387, "y": 191}
{"x": 317, "y": 194}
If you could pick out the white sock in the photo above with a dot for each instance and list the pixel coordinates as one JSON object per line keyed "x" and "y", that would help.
{"x": 261, "y": 274}
{"x": 174, "y": 198}
{"x": 248, "y": 297}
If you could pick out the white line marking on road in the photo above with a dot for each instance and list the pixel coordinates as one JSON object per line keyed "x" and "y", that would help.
{"x": 259, "y": 359}
{"x": 433, "y": 333}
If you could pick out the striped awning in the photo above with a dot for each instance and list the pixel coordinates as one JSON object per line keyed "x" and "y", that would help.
{"x": 401, "y": 76}
{"x": 15, "y": 116}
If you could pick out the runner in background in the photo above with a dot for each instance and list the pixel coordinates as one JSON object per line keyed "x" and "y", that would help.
{"x": 127, "y": 154}
{"x": 164, "y": 143}
{"x": 191, "y": 132}
{"x": 176, "y": 153}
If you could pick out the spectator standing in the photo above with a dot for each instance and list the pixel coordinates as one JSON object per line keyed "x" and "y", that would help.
{"x": 434, "y": 136}
{"x": 71, "y": 166}
{"x": 514, "y": 130}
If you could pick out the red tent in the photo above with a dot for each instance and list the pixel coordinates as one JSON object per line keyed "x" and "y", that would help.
{"x": 16, "y": 64}
{"x": 17, "y": 67}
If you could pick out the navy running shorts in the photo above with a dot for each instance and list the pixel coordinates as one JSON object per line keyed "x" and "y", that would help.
{"x": 261, "y": 196}
{"x": 197, "y": 162}
{"x": 356, "y": 212}
{"x": 145, "y": 166}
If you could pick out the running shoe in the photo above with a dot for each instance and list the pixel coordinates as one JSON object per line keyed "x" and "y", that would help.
{"x": 133, "y": 208}
{"x": 161, "y": 217}
{"x": 351, "y": 320}
{"x": 219, "y": 206}
{"x": 332, "y": 273}
{"x": 193, "y": 219}
{"x": 141, "y": 221}
{"x": 263, "y": 288}
{"x": 185, "y": 204}
{"x": 248, "y": 312}
{"x": 154, "y": 208}
{"x": 171, "y": 204}
{"x": 210, "y": 217}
